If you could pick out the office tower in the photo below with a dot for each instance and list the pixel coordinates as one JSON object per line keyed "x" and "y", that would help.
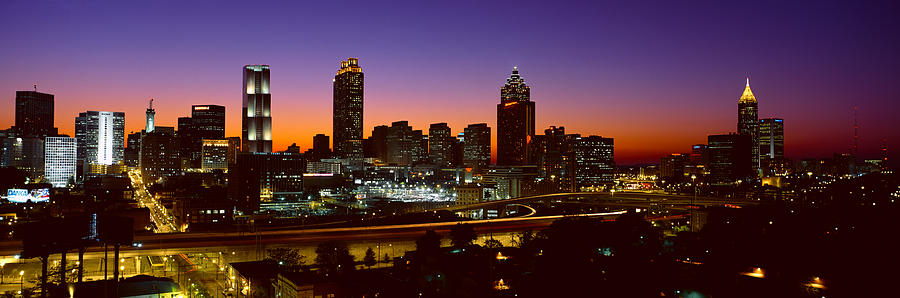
{"x": 672, "y": 167}
{"x": 515, "y": 121}
{"x": 101, "y": 140}
{"x": 594, "y": 161}
{"x": 321, "y": 147}
{"x": 186, "y": 136}
{"x": 234, "y": 148}
{"x": 376, "y": 144}
{"x": 159, "y": 154}
{"x": 439, "y": 143}
{"x": 728, "y": 158}
{"x": 23, "y": 153}
{"x": 748, "y": 123}
{"x": 771, "y": 138}
{"x": 256, "y": 118}
{"x": 34, "y": 114}
{"x": 151, "y": 118}
{"x": 348, "y": 110}
{"x": 293, "y": 148}
{"x": 403, "y": 144}
{"x": 266, "y": 177}
{"x": 477, "y": 147}
{"x": 60, "y": 156}
{"x": 552, "y": 153}
{"x": 215, "y": 154}
{"x": 208, "y": 121}
{"x": 133, "y": 149}
{"x": 699, "y": 155}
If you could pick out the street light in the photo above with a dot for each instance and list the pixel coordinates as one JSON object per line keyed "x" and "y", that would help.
{"x": 22, "y": 276}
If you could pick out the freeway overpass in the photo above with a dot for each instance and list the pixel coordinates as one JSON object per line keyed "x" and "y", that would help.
{"x": 616, "y": 198}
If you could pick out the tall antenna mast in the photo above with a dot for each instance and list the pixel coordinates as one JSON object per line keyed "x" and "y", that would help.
{"x": 35, "y": 86}
{"x": 151, "y": 103}
{"x": 884, "y": 153}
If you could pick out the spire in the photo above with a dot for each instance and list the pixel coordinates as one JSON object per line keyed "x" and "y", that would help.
{"x": 747, "y": 96}
{"x": 515, "y": 69}
{"x": 151, "y": 104}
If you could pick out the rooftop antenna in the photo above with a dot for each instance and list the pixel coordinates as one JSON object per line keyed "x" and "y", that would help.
{"x": 151, "y": 103}
{"x": 884, "y": 154}
{"x": 35, "y": 86}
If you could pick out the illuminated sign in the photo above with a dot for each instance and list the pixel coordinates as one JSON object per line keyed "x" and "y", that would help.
{"x": 201, "y": 108}
{"x": 18, "y": 195}
{"x": 318, "y": 175}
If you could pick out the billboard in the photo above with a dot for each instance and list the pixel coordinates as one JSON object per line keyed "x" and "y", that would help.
{"x": 19, "y": 195}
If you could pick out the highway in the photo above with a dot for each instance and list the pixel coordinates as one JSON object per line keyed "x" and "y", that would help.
{"x": 158, "y": 214}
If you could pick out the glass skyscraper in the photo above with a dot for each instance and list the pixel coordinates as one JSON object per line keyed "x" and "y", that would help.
{"x": 101, "y": 138}
{"x": 515, "y": 121}
{"x": 60, "y": 156}
{"x": 748, "y": 123}
{"x": 771, "y": 138}
{"x": 256, "y": 118}
{"x": 348, "y": 110}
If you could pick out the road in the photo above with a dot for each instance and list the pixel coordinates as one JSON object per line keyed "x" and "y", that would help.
{"x": 161, "y": 218}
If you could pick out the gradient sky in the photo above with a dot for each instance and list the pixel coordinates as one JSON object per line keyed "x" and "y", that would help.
{"x": 657, "y": 77}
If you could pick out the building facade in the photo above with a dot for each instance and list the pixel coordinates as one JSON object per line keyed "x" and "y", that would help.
{"x": 60, "y": 156}
{"x": 771, "y": 138}
{"x": 266, "y": 177}
{"x": 348, "y": 110}
{"x": 594, "y": 161}
{"x": 215, "y": 154}
{"x": 439, "y": 145}
{"x": 101, "y": 139}
{"x": 748, "y": 122}
{"x": 477, "y": 147}
{"x": 160, "y": 155}
{"x": 515, "y": 121}
{"x": 729, "y": 158}
{"x": 256, "y": 117}
{"x": 34, "y": 114}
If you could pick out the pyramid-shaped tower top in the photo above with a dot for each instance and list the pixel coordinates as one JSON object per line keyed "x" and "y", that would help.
{"x": 747, "y": 96}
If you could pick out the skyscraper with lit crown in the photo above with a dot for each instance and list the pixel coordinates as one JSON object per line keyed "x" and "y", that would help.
{"x": 515, "y": 121}
{"x": 256, "y": 124}
{"x": 748, "y": 123}
{"x": 348, "y": 110}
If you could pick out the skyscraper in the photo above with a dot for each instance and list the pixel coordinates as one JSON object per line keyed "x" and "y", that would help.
{"x": 101, "y": 138}
{"x": 553, "y": 154}
{"x": 515, "y": 121}
{"x": 215, "y": 154}
{"x": 404, "y": 144}
{"x": 771, "y": 138}
{"x": 60, "y": 160}
{"x": 256, "y": 118}
{"x": 477, "y": 147}
{"x": 208, "y": 121}
{"x": 439, "y": 143}
{"x": 321, "y": 147}
{"x": 151, "y": 118}
{"x": 34, "y": 114}
{"x": 728, "y": 158}
{"x": 348, "y": 110}
{"x": 748, "y": 123}
{"x": 594, "y": 161}
{"x": 159, "y": 154}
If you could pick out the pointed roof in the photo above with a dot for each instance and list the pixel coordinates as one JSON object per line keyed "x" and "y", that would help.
{"x": 747, "y": 96}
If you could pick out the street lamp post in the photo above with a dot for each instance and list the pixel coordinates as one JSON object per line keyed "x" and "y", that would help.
{"x": 22, "y": 276}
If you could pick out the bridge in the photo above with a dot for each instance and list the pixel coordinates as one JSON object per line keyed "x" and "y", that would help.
{"x": 611, "y": 198}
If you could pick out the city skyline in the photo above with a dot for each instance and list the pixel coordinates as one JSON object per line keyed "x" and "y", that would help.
{"x": 635, "y": 97}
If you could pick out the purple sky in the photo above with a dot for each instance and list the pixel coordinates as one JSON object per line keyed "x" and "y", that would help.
{"x": 657, "y": 77}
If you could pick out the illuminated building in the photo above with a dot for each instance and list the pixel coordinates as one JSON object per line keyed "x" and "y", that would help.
{"x": 256, "y": 117}
{"x": 348, "y": 110}
{"x": 60, "y": 156}
{"x": 101, "y": 139}
{"x": 206, "y": 122}
{"x": 151, "y": 118}
{"x": 133, "y": 150}
{"x": 699, "y": 155}
{"x": 729, "y": 158}
{"x": 552, "y": 153}
{"x": 186, "y": 135}
{"x": 266, "y": 177}
{"x": 594, "y": 161}
{"x": 515, "y": 121}
{"x": 439, "y": 144}
{"x": 215, "y": 154}
{"x": 748, "y": 123}
{"x": 23, "y": 153}
{"x": 771, "y": 138}
{"x": 477, "y": 147}
{"x": 34, "y": 114}
{"x": 672, "y": 167}
{"x": 159, "y": 154}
